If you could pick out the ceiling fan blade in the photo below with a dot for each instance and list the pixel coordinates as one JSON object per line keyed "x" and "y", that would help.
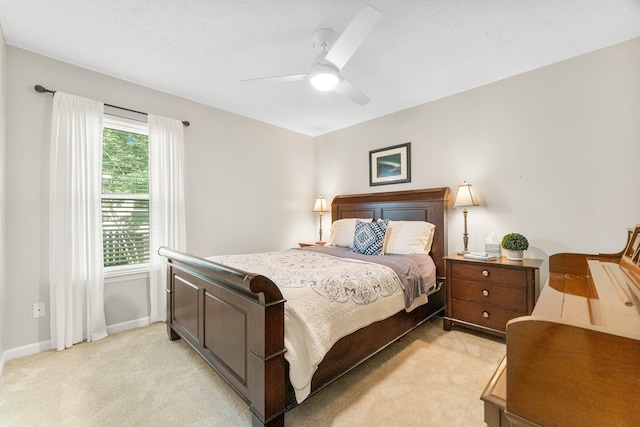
{"x": 348, "y": 90}
{"x": 353, "y": 36}
{"x": 277, "y": 79}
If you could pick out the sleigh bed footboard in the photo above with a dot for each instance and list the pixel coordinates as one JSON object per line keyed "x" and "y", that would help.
{"x": 235, "y": 321}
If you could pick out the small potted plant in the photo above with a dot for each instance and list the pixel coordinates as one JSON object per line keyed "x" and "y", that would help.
{"x": 515, "y": 244}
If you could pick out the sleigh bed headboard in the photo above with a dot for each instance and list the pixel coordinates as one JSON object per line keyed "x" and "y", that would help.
{"x": 414, "y": 205}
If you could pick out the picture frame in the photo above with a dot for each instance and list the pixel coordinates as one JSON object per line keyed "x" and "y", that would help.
{"x": 632, "y": 251}
{"x": 390, "y": 165}
{"x": 630, "y": 261}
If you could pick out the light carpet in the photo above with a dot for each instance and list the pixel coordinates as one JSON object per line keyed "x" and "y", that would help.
{"x": 141, "y": 378}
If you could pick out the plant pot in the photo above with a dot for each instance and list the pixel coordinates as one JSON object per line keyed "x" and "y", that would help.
{"x": 514, "y": 255}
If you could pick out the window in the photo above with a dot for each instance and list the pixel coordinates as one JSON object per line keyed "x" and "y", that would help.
{"x": 125, "y": 194}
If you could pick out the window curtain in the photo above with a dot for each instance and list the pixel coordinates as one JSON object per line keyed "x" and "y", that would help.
{"x": 76, "y": 264}
{"x": 166, "y": 203}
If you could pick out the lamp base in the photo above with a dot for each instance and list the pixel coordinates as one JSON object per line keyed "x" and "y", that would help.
{"x": 463, "y": 252}
{"x": 321, "y": 243}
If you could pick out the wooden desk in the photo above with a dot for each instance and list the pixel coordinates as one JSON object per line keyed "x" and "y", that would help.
{"x": 576, "y": 360}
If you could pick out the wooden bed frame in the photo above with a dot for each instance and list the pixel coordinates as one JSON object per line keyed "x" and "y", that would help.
{"x": 235, "y": 319}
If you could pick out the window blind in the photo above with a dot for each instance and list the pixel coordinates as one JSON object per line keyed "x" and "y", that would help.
{"x": 125, "y": 230}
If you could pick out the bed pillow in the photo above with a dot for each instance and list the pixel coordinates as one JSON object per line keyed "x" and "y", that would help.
{"x": 409, "y": 237}
{"x": 342, "y": 232}
{"x": 368, "y": 238}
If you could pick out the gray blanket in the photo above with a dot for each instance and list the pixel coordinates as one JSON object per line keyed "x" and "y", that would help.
{"x": 417, "y": 273}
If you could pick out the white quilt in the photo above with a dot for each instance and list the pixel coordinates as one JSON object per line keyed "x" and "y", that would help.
{"x": 327, "y": 298}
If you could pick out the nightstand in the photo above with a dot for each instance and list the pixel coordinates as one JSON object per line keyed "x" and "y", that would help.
{"x": 485, "y": 295}
{"x": 303, "y": 244}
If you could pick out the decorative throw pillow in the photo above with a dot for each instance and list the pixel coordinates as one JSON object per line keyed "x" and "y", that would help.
{"x": 368, "y": 238}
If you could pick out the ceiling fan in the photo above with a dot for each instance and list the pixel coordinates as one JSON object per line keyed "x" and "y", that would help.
{"x": 325, "y": 72}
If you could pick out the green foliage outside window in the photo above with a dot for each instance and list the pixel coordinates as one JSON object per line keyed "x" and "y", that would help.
{"x": 125, "y": 198}
{"x": 125, "y": 162}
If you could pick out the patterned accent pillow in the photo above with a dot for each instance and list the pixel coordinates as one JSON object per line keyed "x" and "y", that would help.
{"x": 368, "y": 238}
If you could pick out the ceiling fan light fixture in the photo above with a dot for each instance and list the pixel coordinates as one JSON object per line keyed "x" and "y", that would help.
{"x": 324, "y": 78}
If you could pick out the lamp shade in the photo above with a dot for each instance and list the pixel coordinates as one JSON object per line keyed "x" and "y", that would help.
{"x": 321, "y": 205}
{"x": 464, "y": 197}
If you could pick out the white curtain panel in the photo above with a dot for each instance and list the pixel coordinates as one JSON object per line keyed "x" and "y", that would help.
{"x": 166, "y": 203}
{"x": 76, "y": 264}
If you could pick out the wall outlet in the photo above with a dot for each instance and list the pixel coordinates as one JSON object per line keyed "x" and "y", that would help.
{"x": 38, "y": 310}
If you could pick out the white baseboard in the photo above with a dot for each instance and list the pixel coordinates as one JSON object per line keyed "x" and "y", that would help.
{"x": 125, "y": 326}
{"x": 26, "y": 350}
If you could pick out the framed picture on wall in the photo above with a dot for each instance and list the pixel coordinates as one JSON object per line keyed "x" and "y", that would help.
{"x": 390, "y": 165}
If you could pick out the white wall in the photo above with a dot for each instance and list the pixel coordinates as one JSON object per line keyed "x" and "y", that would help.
{"x": 552, "y": 154}
{"x": 3, "y": 108}
{"x": 240, "y": 195}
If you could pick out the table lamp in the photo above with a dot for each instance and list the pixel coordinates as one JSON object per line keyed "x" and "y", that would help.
{"x": 464, "y": 198}
{"x": 320, "y": 206}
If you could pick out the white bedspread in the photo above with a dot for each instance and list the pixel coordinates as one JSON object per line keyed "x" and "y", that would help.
{"x": 319, "y": 290}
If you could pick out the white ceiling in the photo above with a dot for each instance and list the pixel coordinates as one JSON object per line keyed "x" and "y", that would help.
{"x": 419, "y": 51}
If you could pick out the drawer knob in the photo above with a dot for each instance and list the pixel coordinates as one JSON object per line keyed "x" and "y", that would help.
{"x": 485, "y": 273}
{"x": 485, "y": 314}
{"x": 485, "y": 292}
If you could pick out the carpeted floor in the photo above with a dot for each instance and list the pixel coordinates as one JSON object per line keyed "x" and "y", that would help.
{"x": 141, "y": 378}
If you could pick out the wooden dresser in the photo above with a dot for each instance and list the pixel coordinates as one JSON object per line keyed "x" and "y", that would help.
{"x": 576, "y": 360}
{"x": 485, "y": 295}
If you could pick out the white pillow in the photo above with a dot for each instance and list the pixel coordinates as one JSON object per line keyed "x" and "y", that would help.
{"x": 409, "y": 237}
{"x": 342, "y": 231}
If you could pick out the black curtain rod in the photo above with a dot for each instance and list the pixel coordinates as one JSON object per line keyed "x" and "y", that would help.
{"x": 42, "y": 89}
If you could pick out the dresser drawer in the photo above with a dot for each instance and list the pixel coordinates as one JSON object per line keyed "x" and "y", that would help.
{"x": 487, "y": 294}
{"x": 508, "y": 297}
{"x": 483, "y": 314}
{"x": 487, "y": 274}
